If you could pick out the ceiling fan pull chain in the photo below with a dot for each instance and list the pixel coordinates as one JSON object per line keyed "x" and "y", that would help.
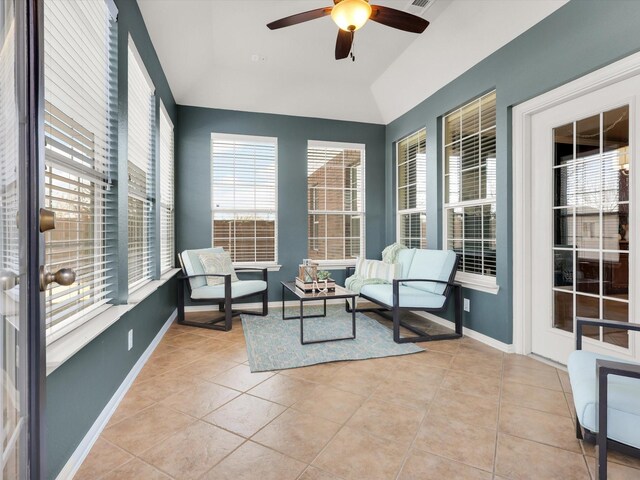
{"x": 353, "y": 57}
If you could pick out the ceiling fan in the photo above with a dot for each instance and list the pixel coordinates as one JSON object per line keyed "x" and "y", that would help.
{"x": 350, "y": 15}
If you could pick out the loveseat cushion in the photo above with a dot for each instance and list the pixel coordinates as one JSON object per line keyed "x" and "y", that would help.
{"x": 435, "y": 264}
{"x": 405, "y": 258}
{"x": 409, "y": 297}
{"x": 193, "y": 266}
{"x": 238, "y": 289}
{"x": 623, "y": 404}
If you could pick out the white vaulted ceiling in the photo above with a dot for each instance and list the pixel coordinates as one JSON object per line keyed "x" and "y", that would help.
{"x": 220, "y": 54}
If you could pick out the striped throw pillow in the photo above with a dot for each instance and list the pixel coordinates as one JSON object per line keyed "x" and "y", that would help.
{"x": 376, "y": 269}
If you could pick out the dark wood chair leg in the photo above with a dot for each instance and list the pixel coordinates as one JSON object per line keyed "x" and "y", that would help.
{"x": 458, "y": 307}
{"x": 228, "y": 310}
{"x": 579, "y": 435}
{"x": 601, "y": 437}
{"x": 265, "y": 303}
{"x": 180, "y": 302}
{"x": 396, "y": 325}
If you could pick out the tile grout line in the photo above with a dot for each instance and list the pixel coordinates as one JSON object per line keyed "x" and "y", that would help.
{"x": 344, "y": 424}
{"x": 495, "y": 448}
{"x": 426, "y": 413}
{"x": 157, "y": 403}
{"x": 237, "y": 343}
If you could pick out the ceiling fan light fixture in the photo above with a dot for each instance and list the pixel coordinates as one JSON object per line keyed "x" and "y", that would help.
{"x": 350, "y": 15}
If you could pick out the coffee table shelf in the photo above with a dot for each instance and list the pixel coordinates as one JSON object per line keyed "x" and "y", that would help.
{"x": 339, "y": 293}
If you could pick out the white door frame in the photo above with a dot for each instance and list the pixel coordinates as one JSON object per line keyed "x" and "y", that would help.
{"x": 521, "y": 182}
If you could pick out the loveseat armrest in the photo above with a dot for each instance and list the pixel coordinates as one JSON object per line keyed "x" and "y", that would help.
{"x": 254, "y": 269}
{"x": 622, "y": 369}
{"x": 581, "y": 322}
{"x": 604, "y": 368}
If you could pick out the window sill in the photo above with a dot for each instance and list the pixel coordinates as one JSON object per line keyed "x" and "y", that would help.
{"x": 335, "y": 264}
{"x": 62, "y": 349}
{"x": 477, "y": 282}
{"x": 271, "y": 267}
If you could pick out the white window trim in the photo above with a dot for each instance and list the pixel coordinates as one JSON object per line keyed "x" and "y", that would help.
{"x": 161, "y": 203}
{"x": 73, "y": 114}
{"x": 343, "y": 263}
{"x": 336, "y": 264}
{"x": 270, "y": 266}
{"x": 138, "y": 284}
{"x": 482, "y": 283}
{"x": 408, "y": 211}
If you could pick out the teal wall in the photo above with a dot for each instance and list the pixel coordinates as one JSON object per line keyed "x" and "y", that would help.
{"x": 193, "y": 184}
{"x": 578, "y": 38}
{"x": 77, "y": 391}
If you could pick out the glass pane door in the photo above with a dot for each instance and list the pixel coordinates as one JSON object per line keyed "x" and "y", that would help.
{"x": 591, "y": 223}
{"x": 13, "y": 331}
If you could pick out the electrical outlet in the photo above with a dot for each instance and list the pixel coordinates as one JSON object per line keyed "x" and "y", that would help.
{"x": 467, "y": 305}
{"x": 130, "y": 340}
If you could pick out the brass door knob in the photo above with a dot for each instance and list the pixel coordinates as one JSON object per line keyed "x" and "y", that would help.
{"x": 47, "y": 220}
{"x": 64, "y": 277}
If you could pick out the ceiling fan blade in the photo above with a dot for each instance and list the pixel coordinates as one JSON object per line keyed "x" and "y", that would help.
{"x": 299, "y": 18}
{"x": 398, "y": 19}
{"x": 343, "y": 44}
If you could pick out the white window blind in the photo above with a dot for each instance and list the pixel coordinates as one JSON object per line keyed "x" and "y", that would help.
{"x": 470, "y": 185}
{"x": 80, "y": 81}
{"x": 411, "y": 200}
{"x": 9, "y": 138}
{"x": 166, "y": 192}
{"x": 244, "y": 197}
{"x": 335, "y": 185}
{"x": 141, "y": 123}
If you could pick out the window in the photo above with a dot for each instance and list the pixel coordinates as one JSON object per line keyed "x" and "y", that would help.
{"x": 141, "y": 125}
{"x": 411, "y": 200}
{"x": 470, "y": 188}
{"x": 79, "y": 54}
{"x": 167, "y": 250}
{"x": 244, "y": 197}
{"x": 335, "y": 182}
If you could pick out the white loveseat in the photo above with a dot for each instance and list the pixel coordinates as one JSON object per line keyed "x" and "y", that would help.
{"x": 425, "y": 283}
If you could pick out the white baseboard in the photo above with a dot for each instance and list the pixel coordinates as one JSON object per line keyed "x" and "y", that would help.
{"x": 83, "y": 449}
{"x": 467, "y": 332}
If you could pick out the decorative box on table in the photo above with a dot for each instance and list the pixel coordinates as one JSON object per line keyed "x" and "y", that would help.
{"x": 316, "y": 286}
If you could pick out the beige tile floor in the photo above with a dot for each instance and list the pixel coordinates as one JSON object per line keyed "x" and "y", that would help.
{"x": 461, "y": 410}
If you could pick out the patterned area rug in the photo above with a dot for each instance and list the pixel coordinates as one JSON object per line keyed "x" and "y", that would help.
{"x": 274, "y": 344}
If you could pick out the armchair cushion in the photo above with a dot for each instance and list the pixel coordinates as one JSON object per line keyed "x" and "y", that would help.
{"x": 218, "y": 263}
{"x": 238, "y": 289}
{"x": 409, "y": 297}
{"x": 623, "y": 406}
{"x": 435, "y": 264}
{"x": 193, "y": 266}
